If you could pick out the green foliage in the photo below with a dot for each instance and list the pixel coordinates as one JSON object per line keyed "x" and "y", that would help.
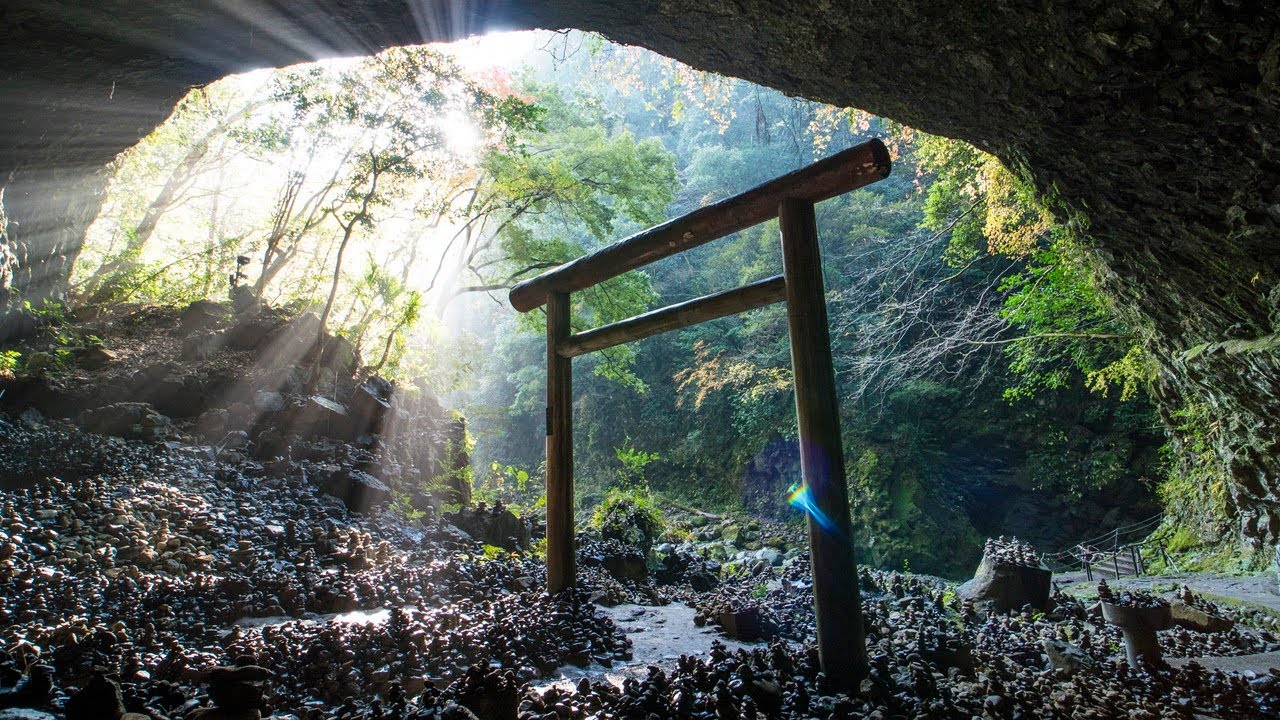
{"x": 631, "y": 476}
{"x": 516, "y": 488}
{"x": 493, "y": 552}
{"x": 10, "y": 363}
{"x": 1067, "y": 328}
{"x": 986, "y": 208}
{"x": 403, "y": 503}
{"x": 54, "y": 349}
{"x": 539, "y": 549}
{"x": 926, "y": 434}
{"x": 1199, "y": 522}
{"x": 630, "y": 517}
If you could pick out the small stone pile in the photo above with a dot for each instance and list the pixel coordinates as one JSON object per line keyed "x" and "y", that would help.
{"x": 1011, "y": 552}
{"x": 1135, "y": 599}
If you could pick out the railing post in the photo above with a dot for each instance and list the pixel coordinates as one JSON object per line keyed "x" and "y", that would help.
{"x": 837, "y": 604}
{"x": 560, "y": 550}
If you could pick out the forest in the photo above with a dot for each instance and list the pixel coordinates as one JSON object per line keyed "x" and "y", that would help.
{"x": 986, "y": 386}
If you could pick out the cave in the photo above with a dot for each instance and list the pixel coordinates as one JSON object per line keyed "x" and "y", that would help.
{"x": 1153, "y": 124}
{"x": 320, "y": 527}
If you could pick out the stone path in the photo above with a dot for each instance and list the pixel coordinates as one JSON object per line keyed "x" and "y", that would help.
{"x": 1259, "y": 664}
{"x": 1257, "y": 589}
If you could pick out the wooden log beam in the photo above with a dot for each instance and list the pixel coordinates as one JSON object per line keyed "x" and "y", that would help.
{"x": 845, "y": 171}
{"x": 561, "y": 570}
{"x": 837, "y": 606}
{"x": 673, "y": 317}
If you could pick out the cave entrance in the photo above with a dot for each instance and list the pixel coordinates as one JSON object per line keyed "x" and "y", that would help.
{"x": 791, "y": 199}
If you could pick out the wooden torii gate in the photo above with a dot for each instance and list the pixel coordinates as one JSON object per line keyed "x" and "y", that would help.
{"x": 790, "y": 198}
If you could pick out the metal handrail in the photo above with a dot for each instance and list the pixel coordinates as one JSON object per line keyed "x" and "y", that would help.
{"x": 1087, "y": 556}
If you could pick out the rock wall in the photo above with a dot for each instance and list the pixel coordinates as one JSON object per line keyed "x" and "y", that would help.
{"x": 1153, "y": 121}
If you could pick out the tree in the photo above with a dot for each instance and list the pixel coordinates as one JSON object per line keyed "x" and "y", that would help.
{"x": 204, "y": 131}
{"x": 1053, "y": 323}
{"x": 387, "y": 115}
{"x": 569, "y": 186}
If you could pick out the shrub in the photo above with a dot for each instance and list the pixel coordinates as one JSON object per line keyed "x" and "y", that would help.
{"x": 629, "y": 517}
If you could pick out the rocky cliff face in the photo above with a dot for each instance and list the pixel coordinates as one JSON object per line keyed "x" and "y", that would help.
{"x": 1153, "y": 121}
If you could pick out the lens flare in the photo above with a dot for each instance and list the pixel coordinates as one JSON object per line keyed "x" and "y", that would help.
{"x": 801, "y": 497}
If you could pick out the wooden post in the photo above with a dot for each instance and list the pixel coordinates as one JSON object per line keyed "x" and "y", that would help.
{"x": 560, "y": 550}
{"x": 836, "y": 600}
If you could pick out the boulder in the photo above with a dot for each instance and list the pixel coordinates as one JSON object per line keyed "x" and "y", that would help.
{"x": 620, "y": 560}
{"x": 730, "y": 533}
{"x": 96, "y": 357}
{"x": 243, "y": 300}
{"x": 358, "y": 490}
{"x": 340, "y": 355}
{"x": 212, "y": 424}
{"x": 269, "y": 444}
{"x": 369, "y": 405}
{"x": 134, "y": 420}
{"x": 177, "y": 395}
{"x": 203, "y": 345}
{"x": 496, "y": 526}
{"x": 157, "y": 372}
{"x": 236, "y": 691}
{"x": 747, "y": 625}
{"x": 684, "y": 566}
{"x": 630, "y": 522}
{"x": 769, "y": 555}
{"x": 1066, "y": 657}
{"x": 319, "y": 415}
{"x": 31, "y": 418}
{"x": 251, "y": 332}
{"x": 288, "y": 380}
{"x": 1193, "y": 618}
{"x": 201, "y": 315}
{"x": 626, "y": 566}
{"x": 702, "y": 581}
{"x": 268, "y": 401}
{"x": 1005, "y": 586}
{"x": 303, "y": 328}
{"x": 292, "y": 343}
{"x": 239, "y": 416}
{"x": 99, "y": 699}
